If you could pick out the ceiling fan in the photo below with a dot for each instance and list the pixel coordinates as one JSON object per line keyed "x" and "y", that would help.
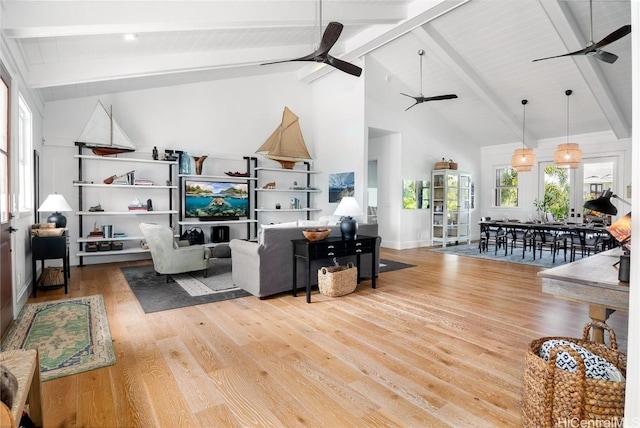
{"x": 421, "y": 98}
{"x": 593, "y": 49}
{"x": 321, "y": 54}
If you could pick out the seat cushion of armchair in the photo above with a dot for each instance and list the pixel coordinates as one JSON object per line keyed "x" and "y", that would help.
{"x": 266, "y": 268}
{"x": 169, "y": 256}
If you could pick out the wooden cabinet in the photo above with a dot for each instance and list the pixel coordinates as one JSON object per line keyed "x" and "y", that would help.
{"x": 284, "y": 192}
{"x": 115, "y": 199}
{"x": 451, "y": 207}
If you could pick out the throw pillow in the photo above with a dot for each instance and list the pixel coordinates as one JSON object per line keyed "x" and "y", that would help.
{"x": 312, "y": 223}
{"x": 596, "y": 367}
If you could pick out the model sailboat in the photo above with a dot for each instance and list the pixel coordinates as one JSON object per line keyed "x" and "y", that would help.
{"x": 286, "y": 144}
{"x": 103, "y": 135}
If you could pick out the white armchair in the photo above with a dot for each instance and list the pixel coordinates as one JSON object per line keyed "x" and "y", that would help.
{"x": 168, "y": 257}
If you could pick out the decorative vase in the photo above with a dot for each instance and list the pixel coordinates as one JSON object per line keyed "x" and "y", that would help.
{"x": 185, "y": 163}
{"x": 199, "y": 160}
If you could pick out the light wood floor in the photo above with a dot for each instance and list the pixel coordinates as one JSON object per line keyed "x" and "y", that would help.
{"x": 439, "y": 344}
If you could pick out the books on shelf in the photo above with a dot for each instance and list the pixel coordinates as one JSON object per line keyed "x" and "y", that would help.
{"x": 142, "y": 182}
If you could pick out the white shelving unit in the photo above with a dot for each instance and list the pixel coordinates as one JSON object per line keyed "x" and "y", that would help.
{"x": 86, "y": 187}
{"x": 186, "y": 222}
{"x": 450, "y": 207}
{"x": 305, "y": 191}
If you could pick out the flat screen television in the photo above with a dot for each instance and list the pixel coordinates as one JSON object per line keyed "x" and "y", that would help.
{"x": 215, "y": 200}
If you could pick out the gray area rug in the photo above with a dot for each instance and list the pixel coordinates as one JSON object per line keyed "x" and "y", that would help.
{"x": 155, "y": 294}
{"x": 546, "y": 261}
{"x": 389, "y": 265}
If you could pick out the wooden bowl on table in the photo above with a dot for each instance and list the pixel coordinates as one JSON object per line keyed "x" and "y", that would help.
{"x": 316, "y": 234}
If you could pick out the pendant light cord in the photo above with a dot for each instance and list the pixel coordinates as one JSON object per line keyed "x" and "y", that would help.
{"x": 524, "y": 120}
{"x": 568, "y": 92}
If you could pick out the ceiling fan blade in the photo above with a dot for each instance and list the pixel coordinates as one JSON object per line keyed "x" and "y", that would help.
{"x": 618, "y": 34}
{"x": 410, "y": 96}
{"x": 412, "y": 105}
{"x": 341, "y": 65}
{"x": 441, "y": 97}
{"x": 329, "y": 38}
{"x": 605, "y": 56}
{"x": 580, "y": 52}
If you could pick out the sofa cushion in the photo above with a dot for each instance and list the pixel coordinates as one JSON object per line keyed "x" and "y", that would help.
{"x": 283, "y": 225}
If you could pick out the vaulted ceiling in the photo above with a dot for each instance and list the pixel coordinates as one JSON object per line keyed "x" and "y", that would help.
{"x": 481, "y": 50}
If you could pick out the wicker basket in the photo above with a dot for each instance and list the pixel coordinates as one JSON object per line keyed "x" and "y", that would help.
{"x": 442, "y": 165}
{"x": 554, "y": 396}
{"x": 337, "y": 281}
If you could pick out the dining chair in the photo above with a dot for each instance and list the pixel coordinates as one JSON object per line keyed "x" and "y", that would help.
{"x": 521, "y": 237}
{"x": 554, "y": 240}
{"x": 495, "y": 235}
{"x": 583, "y": 242}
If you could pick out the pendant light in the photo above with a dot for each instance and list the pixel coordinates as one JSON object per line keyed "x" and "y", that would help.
{"x": 568, "y": 154}
{"x": 523, "y": 159}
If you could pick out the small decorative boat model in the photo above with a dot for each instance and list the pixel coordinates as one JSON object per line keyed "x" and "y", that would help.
{"x": 103, "y": 135}
{"x": 286, "y": 144}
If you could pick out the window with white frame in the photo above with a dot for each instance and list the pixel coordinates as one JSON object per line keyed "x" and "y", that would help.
{"x": 505, "y": 192}
{"x": 25, "y": 150}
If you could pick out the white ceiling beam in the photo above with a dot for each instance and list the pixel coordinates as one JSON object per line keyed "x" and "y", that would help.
{"x": 421, "y": 13}
{"x": 29, "y": 19}
{"x": 100, "y": 70}
{"x": 570, "y": 34}
{"x": 429, "y": 36}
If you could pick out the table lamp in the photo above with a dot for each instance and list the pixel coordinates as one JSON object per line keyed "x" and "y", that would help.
{"x": 347, "y": 209}
{"x": 55, "y": 204}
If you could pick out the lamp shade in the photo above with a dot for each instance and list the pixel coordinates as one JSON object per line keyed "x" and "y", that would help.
{"x": 523, "y": 160}
{"x": 56, "y": 204}
{"x": 347, "y": 209}
{"x": 602, "y": 204}
{"x": 568, "y": 154}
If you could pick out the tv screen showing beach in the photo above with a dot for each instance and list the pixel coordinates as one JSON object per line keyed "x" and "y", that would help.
{"x": 205, "y": 199}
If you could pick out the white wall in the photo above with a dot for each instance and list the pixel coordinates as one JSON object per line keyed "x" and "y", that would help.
{"x": 340, "y": 135}
{"x": 424, "y": 138}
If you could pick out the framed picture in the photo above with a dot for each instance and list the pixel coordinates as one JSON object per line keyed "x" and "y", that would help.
{"x": 341, "y": 185}
{"x": 409, "y": 195}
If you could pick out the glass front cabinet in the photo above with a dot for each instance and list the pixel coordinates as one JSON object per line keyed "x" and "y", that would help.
{"x": 451, "y": 207}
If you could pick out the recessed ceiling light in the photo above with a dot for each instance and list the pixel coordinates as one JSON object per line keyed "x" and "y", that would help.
{"x": 130, "y": 37}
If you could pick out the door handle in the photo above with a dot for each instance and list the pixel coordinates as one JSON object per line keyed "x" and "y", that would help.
{"x": 12, "y": 229}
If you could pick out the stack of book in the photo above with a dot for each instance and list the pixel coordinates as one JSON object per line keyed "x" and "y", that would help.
{"x": 143, "y": 182}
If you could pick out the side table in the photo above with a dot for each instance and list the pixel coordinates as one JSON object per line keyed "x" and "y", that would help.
{"x": 48, "y": 248}
{"x": 307, "y": 251}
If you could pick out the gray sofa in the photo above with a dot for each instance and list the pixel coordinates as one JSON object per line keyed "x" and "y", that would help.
{"x": 265, "y": 268}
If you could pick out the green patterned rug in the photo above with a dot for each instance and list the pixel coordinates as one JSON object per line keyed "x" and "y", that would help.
{"x": 72, "y": 336}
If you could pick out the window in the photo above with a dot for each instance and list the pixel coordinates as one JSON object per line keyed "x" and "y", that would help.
{"x": 25, "y": 144}
{"x": 505, "y": 193}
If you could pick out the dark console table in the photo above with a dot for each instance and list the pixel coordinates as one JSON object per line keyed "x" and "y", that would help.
{"x": 48, "y": 248}
{"x": 329, "y": 248}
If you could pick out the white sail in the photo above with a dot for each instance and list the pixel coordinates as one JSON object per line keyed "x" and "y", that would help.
{"x": 103, "y": 132}
{"x": 286, "y": 144}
